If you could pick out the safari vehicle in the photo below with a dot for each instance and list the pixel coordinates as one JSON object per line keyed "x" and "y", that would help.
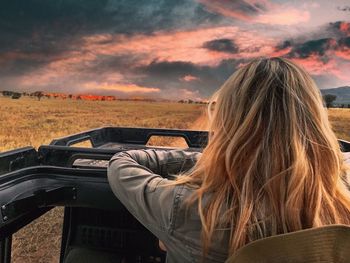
{"x": 96, "y": 227}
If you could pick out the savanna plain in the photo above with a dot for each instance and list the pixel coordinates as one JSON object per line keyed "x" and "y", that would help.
{"x": 27, "y": 121}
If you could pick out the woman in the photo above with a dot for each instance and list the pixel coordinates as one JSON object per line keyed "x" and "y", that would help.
{"x": 272, "y": 165}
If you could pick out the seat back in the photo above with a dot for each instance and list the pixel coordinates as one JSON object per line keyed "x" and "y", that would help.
{"x": 329, "y": 244}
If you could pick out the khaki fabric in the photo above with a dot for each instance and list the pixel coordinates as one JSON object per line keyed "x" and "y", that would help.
{"x": 140, "y": 180}
{"x": 329, "y": 244}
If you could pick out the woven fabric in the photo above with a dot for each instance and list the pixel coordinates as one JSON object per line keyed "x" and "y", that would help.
{"x": 329, "y": 244}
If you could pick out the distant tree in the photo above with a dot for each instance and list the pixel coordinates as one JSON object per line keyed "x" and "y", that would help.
{"x": 348, "y": 105}
{"x": 7, "y": 93}
{"x": 70, "y": 96}
{"x": 38, "y": 94}
{"x": 181, "y": 101}
{"x": 79, "y": 97}
{"x": 328, "y": 99}
{"x": 16, "y": 95}
{"x": 190, "y": 101}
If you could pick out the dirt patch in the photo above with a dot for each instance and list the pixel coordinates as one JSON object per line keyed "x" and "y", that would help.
{"x": 40, "y": 241}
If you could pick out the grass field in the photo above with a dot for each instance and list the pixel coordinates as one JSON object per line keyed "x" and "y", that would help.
{"x": 27, "y": 121}
{"x": 30, "y": 122}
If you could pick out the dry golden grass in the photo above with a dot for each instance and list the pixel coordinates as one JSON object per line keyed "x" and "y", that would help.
{"x": 30, "y": 122}
{"x": 340, "y": 119}
{"x": 27, "y": 121}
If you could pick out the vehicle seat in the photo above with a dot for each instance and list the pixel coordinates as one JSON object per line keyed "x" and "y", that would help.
{"x": 89, "y": 255}
{"x": 328, "y": 244}
{"x": 85, "y": 255}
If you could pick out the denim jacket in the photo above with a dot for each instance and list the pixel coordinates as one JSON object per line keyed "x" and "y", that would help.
{"x": 137, "y": 178}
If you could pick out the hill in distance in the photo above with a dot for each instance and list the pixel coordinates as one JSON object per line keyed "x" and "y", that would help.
{"x": 342, "y": 93}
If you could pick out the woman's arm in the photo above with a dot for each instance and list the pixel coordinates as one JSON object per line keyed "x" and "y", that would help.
{"x": 162, "y": 162}
{"x": 137, "y": 178}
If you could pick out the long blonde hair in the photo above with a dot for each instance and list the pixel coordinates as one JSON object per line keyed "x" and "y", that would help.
{"x": 272, "y": 164}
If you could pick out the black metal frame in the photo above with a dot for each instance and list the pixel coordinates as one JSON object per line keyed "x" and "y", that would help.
{"x": 133, "y": 136}
{"x": 17, "y": 159}
{"x": 5, "y": 249}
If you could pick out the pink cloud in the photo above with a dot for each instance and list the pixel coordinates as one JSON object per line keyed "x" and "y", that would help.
{"x": 66, "y": 70}
{"x": 343, "y": 53}
{"x": 161, "y": 45}
{"x": 289, "y": 16}
{"x": 189, "y": 78}
{"x": 314, "y": 65}
{"x": 125, "y": 88}
{"x": 188, "y": 47}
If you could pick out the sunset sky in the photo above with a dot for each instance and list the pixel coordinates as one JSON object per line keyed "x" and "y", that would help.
{"x": 176, "y": 49}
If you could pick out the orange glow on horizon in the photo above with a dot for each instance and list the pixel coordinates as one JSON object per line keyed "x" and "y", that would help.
{"x": 79, "y": 96}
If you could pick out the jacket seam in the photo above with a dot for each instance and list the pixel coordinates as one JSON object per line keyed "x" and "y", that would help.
{"x": 176, "y": 203}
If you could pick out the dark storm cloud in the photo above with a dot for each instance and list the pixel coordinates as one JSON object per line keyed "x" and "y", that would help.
{"x": 318, "y": 41}
{"x": 246, "y": 7}
{"x": 53, "y": 28}
{"x": 167, "y": 69}
{"x": 169, "y": 75}
{"x": 48, "y": 26}
{"x": 237, "y": 9}
{"x": 148, "y": 16}
{"x": 284, "y": 44}
{"x": 326, "y": 58}
{"x": 21, "y": 66}
{"x": 111, "y": 63}
{"x": 52, "y": 20}
{"x": 344, "y": 42}
{"x": 337, "y": 29}
{"x": 221, "y": 45}
{"x": 317, "y": 47}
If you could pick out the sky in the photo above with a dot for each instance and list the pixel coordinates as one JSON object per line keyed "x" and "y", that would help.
{"x": 170, "y": 49}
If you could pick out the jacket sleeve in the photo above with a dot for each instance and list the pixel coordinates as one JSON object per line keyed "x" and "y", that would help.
{"x": 137, "y": 178}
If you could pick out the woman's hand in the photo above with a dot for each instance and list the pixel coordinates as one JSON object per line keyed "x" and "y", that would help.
{"x": 161, "y": 245}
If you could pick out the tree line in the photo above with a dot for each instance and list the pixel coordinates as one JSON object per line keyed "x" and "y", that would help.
{"x": 41, "y": 94}
{"x": 329, "y": 100}
{"x": 17, "y": 95}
